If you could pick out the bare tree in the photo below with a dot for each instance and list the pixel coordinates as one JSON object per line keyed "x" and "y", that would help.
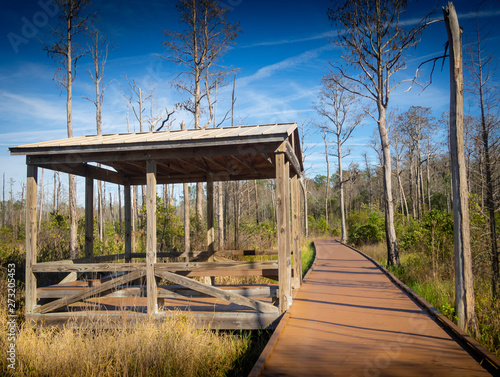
{"x": 398, "y": 145}
{"x": 198, "y": 49}
{"x": 368, "y": 170}
{"x": 187, "y": 221}
{"x": 464, "y": 282}
{"x": 304, "y": 128}
{"x": 416, "y": 126}
{"x": 62, "y": 46}
{"x": 3, "y": 201}
{"x": 327, "y": 160}
{"x": 481, "y": 72}
{"x": 137, "y": 100}
{"x": 98, "y": 48}
{"x": 374, "y": 42}
{"x": 340, "y": 109}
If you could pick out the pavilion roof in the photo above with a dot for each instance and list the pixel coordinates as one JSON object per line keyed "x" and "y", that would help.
{"x": 231, "y": 153}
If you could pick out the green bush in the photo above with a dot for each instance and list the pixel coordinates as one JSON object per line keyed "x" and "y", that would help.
{"x": 365, "y": 226}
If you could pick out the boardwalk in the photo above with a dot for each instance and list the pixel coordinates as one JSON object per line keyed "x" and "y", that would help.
{"x": 349, "y": 319}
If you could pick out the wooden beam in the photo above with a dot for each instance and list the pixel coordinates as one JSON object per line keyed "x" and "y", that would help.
{"x": 201, "y": 266}
{"x": 220, "y": 321}
{"x": 128, "y": 221}
{"x": 31, "y": 234}
{"x": 297, "y": 254}
{"x": 217, "y": 163}
{"x": 87, "y": 267}
{"x": 68, "y": 266}
{"x": 193, "y": 164}
{"x": 151, "y": 236}
{"x": 89, "y": 216}
{"x": 245, "y": 163}
{"x": 199, "y": 176}
{"x": 164, "y": 291}
{"x": 148, "y": 151}
{"x": 93, "y": 291}
{"x": 169, "y": 165}
{"x": 290, "y": 154}
{"x": 262, "y": 307}
{"x": 270, "y": 273}
{"x": 283, "y": 225}
{"x": 84, "y": 170}
{"x": 210, "y": 218}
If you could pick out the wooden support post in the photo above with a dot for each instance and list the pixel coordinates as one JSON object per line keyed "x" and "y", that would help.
{"x": 210, "y": 223}
{"x": 89, "y": 216}
{"x": 151, "y": 236}
{"x": 283, "y": 223}
{"x": 297, "y": 254}
{"x": 128, "y": 221}
{"x": 31, "y": 189}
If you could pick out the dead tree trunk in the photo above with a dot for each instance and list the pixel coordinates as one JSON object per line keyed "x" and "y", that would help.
{"x": 220, "y": 211}
{"x": 464, "y": 284}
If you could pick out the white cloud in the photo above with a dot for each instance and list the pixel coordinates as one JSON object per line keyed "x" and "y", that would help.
{"x": 285, "y": 64}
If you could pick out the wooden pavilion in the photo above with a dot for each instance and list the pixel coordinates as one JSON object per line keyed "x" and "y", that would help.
{"x": 151, "y": 158}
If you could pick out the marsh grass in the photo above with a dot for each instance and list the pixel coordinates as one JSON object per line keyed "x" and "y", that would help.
{"x": 170, "y": 347}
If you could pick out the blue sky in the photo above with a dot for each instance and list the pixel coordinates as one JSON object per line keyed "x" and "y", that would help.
{"x": 281, "y": 55}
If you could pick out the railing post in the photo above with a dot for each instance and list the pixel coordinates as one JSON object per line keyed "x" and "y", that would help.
{"x": 31, "y": 235}
{"x": 283, "y": 223}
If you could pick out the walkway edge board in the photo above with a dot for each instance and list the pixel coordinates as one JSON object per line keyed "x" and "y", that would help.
{"x": 485, "y": 358}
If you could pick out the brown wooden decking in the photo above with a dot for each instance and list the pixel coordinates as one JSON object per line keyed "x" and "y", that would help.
{"x": 349, "y": 319}
{"x": 129, "y": 302}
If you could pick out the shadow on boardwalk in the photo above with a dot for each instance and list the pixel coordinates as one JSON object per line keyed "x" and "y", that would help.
{"x": 349, "y": 319}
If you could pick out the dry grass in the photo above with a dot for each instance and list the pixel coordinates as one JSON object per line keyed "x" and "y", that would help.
{"x": 168, "y": 348}
{"x": 171, "y": 347}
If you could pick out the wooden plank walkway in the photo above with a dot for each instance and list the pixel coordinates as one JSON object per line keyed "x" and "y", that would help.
{"x": 349, "y": 319}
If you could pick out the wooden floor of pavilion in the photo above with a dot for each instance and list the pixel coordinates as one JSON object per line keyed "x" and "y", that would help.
{"x": 350, "y": 319}
{"x": 207, "y": 312}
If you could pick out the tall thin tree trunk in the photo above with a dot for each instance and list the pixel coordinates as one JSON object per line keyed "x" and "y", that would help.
{"x": 134, "y": 216}
{"x": 100, "y": 211}
{"x": 369, "y": 175}
{"x": 58, "y": 192}
{"x": 227, "y": 190}
{"x": 237, "y": 210}
{"x": 487, "y": 169}
{"x": 392, "y": 244}
{"x": 256, "y": 202}
{"x": 412, "y": 191}
{"x": 41, "y": 201}
{"x": 120, "y": 209}
{"x": 327, "y": 175}
{"x": 187, "y": 222}
{"x": 3, "y": 201}
{"x": 220, "y": 196}
{"x": 428, "y": 182}
{"x": 22, "y": 207}
{"x": 54, "y": 207}
{"x": 341, "y": 185}
{"x": 306, "y": 220}
{"x": 464, "y": 283}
